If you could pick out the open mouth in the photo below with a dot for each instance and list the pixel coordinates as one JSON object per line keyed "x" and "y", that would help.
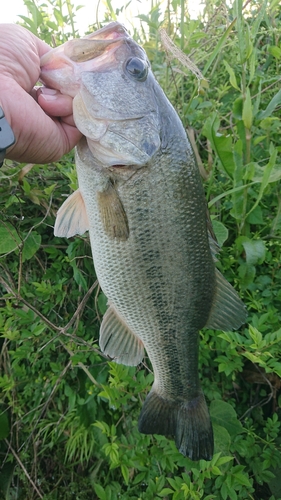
{"x": 90, "y": 53}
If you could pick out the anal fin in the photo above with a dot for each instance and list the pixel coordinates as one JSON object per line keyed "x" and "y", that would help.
{"x": 228, "y": 311}
{"x": 72, "y": 218}
{"x": 118, "y": 342}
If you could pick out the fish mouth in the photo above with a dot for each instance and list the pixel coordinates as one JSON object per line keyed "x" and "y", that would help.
{"x": 94, "y": 45}
{"x": 61, "y": 68}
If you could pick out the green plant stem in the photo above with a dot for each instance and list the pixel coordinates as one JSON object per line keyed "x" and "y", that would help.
{"x": 248, "y": 145}
{"x": 277, "y": 217}
{"x": 182, "y": 23}
{"x": 182, "y": 46}
{"x": 71, "y": 17}
{"x": 23, "y": 468}
{"x": 82, "y": 366}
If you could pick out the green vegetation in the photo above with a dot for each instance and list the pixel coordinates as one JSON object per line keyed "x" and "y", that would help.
{"x": 68, "y": 418}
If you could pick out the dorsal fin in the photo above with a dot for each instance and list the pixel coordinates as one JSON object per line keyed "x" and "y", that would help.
{"x": 213, "y": 242}
{"x": 214, "y": 246}
{"x": 72, "y": 217}
{"x": 228, "y": 311}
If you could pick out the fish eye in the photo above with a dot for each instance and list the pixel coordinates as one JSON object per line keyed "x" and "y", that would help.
{"x": 137, "y": 68}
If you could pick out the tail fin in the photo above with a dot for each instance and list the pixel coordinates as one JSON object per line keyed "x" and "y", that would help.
{"x": 188, "y": 422}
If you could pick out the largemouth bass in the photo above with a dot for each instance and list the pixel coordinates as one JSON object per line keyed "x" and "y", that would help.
{"x": 141, "y": 198}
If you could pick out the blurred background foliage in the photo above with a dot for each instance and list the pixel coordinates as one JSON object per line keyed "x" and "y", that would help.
{"x": 68, "y": 417}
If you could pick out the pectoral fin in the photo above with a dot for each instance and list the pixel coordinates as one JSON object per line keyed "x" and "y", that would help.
{"x": 228, "y": 311}
{"x": 72, "y": 217}
{"x": 118, "y": 342}
{"x": 112, "y": 214}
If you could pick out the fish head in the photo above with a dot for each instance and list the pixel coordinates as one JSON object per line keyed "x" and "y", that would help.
{"x": 114, "y": 106}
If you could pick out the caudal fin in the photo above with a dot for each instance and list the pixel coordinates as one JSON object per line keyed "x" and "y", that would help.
{"x": 194, "y": 433}
{"x": 188, "y": 422}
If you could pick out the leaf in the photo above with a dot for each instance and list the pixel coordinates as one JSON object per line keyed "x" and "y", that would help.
{"x": 255, "y": 251}
{"x": 31, "y": 245}
{"x": 258, "y": 19}
{"x": 252, "y": 65}
{"x": 220, "y": 231}
{"x": 223, "y": 414}
{"x": 231, "y": 73}
{"x": 125, "y": 473}
{"x": 165, "y": 492}
{"x": 247, "y": 114}
{"x": 275, "y": 101}
{"x": 78, "y": 276}
{"x": 100, "y": 491}
{"x": 275, "y": 174}
{"x": 221, "y": 144}
{"x": 238, "y": 198}
{"x": 252, "y": 357}
{"x": 230, "y": 191}
{"x": 275, "y": 51}
{"x": 237, "y": 11}
{"x": 255, "y": 335}
{"x": 266, "y": 177}
{"x": 102, "y": 303}
{"x": 30, "y": 23}
{"x": 215, "y": 470}
{"x": 275, "y": 483}
{"x": 223, "y": 147}
{"x": 246, "y": 274}
{"x": 237, "y": 108}
{"x": 218, "y": 48}
{"x": 256, "y": 216}
{"x": 9, "y": 238}
{"x": 224, "y": 460}
{"x": 242, "y": 479}
{"x": 222, "y": 438}
{"x": 25, "y": 170}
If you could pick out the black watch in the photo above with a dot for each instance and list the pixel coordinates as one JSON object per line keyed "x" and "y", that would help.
{"x": 7, "y": 137}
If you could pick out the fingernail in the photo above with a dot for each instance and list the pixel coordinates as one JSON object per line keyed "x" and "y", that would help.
{"x": 46, "y": 91}
{"x": 47, "y": 97}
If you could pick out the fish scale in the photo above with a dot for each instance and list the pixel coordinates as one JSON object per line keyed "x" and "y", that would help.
{"x": 151, "y": 261}
{"x": 141, "y": 198}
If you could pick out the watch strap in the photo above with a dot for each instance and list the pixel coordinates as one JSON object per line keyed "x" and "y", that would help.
{"x": 7, "y": 137}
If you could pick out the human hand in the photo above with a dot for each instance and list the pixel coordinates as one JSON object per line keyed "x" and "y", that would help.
{"x": 41, "y": 119}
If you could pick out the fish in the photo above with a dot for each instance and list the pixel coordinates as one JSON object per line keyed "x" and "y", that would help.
{"x": 141, "y": 198}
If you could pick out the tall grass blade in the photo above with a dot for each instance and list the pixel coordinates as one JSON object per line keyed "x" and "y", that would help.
{"x": 218, "y": 47}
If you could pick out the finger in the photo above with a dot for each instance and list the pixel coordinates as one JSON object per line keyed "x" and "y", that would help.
{"x": 39, "y": 138}
{"x": 68, "y": 120}
{"x": 54, "y": 103}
